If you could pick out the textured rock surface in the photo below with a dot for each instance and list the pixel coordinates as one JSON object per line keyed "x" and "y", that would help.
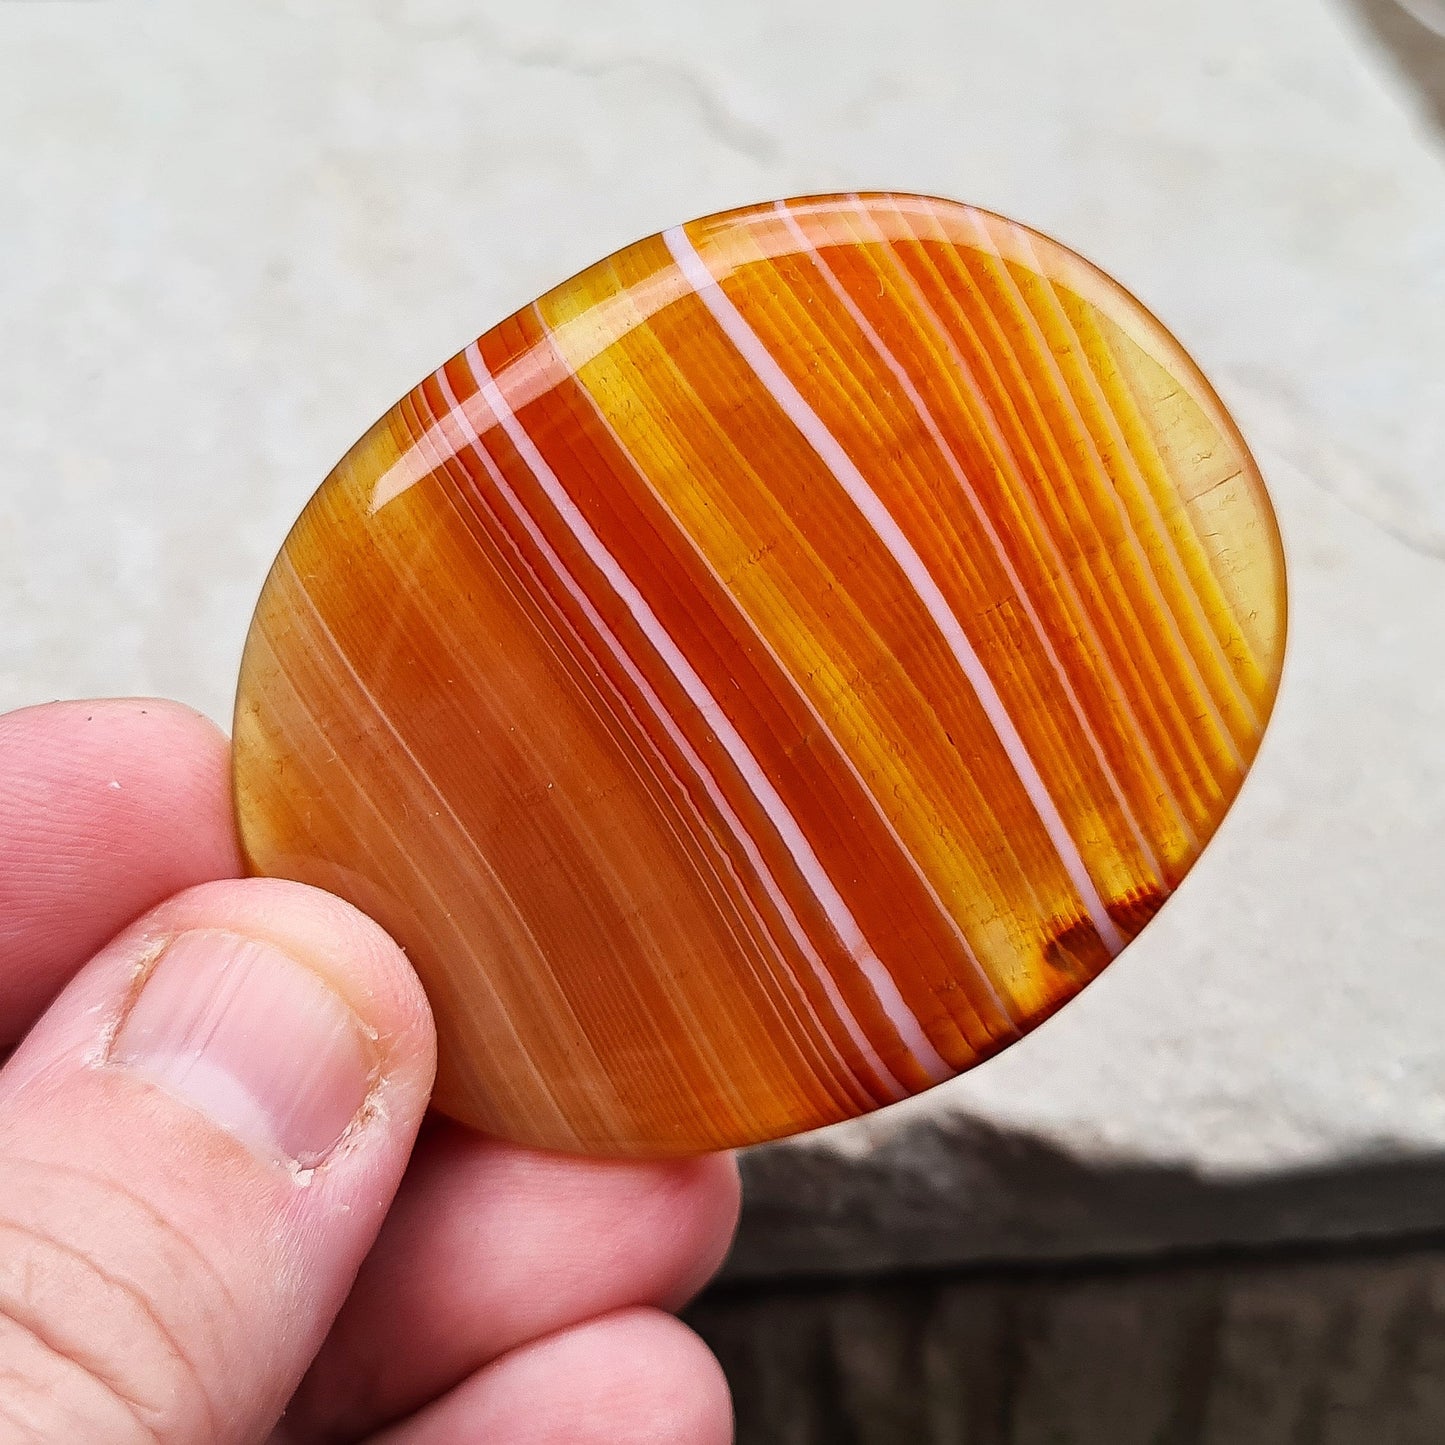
{"x": 232, "y": 238}
{"x": 1220, "y": 1352}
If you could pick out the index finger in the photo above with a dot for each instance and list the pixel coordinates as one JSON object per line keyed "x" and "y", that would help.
{"x": 106, "y": 809}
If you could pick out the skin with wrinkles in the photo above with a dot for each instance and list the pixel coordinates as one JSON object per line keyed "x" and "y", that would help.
{"x": 164, "y": 1279}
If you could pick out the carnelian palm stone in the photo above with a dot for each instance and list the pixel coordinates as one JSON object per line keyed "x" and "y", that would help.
{"x": 771, "y": 672}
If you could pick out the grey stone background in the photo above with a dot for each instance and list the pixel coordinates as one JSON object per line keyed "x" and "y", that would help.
{"x": 231, "y": 235}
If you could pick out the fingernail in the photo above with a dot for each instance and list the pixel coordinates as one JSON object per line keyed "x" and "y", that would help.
{"x": 256, "y": 1041}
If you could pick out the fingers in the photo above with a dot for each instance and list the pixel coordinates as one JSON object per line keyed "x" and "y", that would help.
{"x": 490, "y": 1246}
{"x": 637, "y": 1377}
{"x": 198, "y": 1142}
{"x": 201, "y": 1222}
{"x": 106, "y": 808}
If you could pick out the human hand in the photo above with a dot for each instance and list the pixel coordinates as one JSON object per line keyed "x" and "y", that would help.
{"x": 205, "y": 1131}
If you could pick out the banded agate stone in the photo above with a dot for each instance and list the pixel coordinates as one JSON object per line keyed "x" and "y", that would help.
{"x": 769, "y": 673}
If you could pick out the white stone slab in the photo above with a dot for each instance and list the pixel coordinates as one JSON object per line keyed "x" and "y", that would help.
{"x": 230, "y": 236}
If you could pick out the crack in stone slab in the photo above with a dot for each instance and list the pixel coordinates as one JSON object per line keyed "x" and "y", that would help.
{"x": 721, "y": 122}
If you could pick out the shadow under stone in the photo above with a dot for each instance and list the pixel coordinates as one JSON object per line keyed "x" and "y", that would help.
{"x": 1416, "y": 51}
{"x": 958, "y": 1193}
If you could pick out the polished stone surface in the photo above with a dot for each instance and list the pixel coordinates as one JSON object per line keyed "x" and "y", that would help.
{"x": 769, "y": 674}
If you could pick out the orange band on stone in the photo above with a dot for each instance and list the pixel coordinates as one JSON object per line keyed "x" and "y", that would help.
{"x": 771, "y": 672}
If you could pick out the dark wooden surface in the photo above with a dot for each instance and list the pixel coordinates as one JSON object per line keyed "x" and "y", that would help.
{"x": 1344, "y": 1348}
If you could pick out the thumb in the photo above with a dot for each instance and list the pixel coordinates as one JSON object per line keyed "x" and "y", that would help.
{"x": 198, "y": 1143}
